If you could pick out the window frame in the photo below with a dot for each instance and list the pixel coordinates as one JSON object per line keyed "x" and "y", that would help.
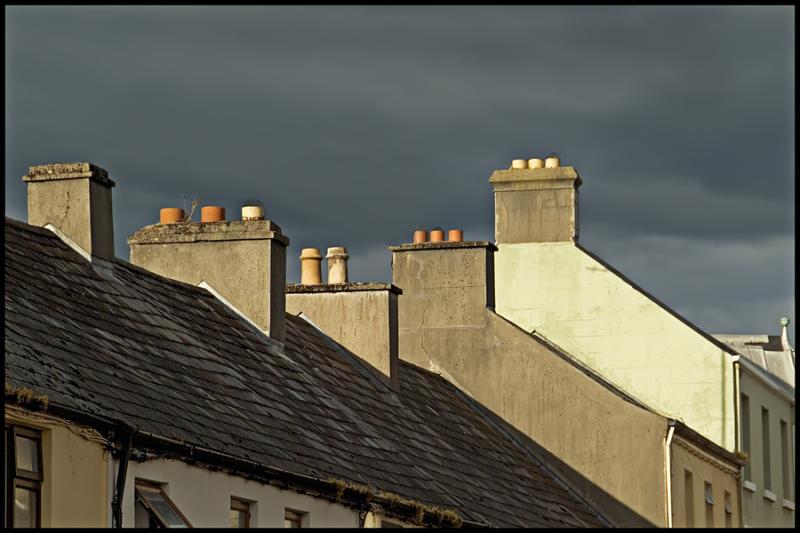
{"x": 17, "y": 477}
{"x": 141, "y": 484}
{"x": 301, "y": 517}
{"x": 239, "y": 504}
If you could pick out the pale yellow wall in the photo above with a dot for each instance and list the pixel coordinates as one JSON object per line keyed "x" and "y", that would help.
{"x": 704, "y": 468}
{"x": 204, "y": 497}
{"x": 74, "y": 489}
{"x": 759, "y": 511}
{"x": 590, "y": 312}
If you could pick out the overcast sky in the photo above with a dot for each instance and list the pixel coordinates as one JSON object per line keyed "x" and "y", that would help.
{"x": 353, "y": 125}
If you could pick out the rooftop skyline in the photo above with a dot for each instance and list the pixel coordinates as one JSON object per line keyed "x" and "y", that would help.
{"x": 354, "y": 125}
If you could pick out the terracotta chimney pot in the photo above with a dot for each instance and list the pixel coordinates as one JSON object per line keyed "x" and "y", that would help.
{"x": 252, "y": 212}
{"x": 310, "y": 270}
{"x": 172, "y": 215}
{"x": 212, "y": 213}
{"x": 519, "y": 163}
{"x": 420, "y": 235}
{"x": 337, "y": 264}
{"x": 535, "y": 163}
{"x": 437, "y": 235}
{"x": 455, "y": 235}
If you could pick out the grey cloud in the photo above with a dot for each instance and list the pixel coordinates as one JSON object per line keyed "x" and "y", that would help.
{"x": 355, "y": 124}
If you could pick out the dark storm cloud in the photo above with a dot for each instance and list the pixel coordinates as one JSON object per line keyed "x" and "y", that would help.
{"x": 355, "y": 124}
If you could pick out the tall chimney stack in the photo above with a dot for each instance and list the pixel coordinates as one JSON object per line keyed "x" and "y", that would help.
{"x": 76, "y": 199}
{"x": 535, "y": 202}
{"x": 243, "y": 260}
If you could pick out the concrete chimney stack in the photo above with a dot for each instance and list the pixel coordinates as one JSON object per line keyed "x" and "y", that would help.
{"x": 337, "y": 264}
{"x": 536, "y": 204}
{"x": 310, "y": 266}
{"x": 76, "y": 199}
{"x": 245, "y": 262}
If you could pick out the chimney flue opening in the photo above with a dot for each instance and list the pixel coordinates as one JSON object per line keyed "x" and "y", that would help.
{"x": 519, "y": 163}
{"x": 252, "y": 212}
{"x": 337, "y": 264}
{"x": 310, "y": 269}
{"x": 455, "y": 235}
{"x": 437, "y": 235}
{"x": 535, "y": 163}
{"x": 171, "y": 215}
{"x": 420, "y": 236}
{"x": 212, "y": 213}
{"x": 552, "y": 161}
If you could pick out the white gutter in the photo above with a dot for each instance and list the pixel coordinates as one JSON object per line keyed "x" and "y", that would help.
{"x": 668, "y": 466}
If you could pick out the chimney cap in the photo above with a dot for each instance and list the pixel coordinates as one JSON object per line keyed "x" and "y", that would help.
{"x": 309, "y": 253}
{"x": 337, "y": 251}
{"x": 66, "y": 171}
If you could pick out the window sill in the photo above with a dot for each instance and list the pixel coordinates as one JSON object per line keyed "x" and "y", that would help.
{"x": 788, "y": 505}
{"x": 749, "y": 485}
{"x": 769, "y": 495}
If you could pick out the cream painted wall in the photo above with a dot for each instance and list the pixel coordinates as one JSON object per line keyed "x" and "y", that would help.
{"x": 204, "y": 497}
{"x": 704, "y": 468}
{"x": 590, "y": 312}
{"x": 74, "y": 488}
{"x": 758, "y": 510}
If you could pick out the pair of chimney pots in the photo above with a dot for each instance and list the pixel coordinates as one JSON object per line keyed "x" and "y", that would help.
{"x": 437, "y": 235}
{"x": 310, "y": 265}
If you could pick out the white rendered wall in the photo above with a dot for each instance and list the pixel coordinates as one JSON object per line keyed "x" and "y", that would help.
{"x": 204, "y": 497}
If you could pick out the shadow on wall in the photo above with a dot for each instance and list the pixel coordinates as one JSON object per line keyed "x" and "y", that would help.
{"x": 620, "y": 514}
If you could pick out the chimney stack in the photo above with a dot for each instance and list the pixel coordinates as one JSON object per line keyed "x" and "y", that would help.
{"x": 337, "y": 264}
{"x": 244, "y": 261}
{"x": 310, "y": 269}
{"x": 447, "y": 287}
{"x": 76, "y": 199}
{"x": 535, "y": 202}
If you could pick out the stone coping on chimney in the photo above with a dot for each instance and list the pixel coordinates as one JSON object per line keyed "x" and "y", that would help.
{"x": 226, "y": 230}
{"x": 68, "y": 171}
{"x": 297, "y": 288}
{"x": 530, "y": 177}
{"x": 410, "y": 247}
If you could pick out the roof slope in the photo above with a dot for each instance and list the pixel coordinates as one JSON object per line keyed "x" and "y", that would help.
{"x": 172, "y": 360}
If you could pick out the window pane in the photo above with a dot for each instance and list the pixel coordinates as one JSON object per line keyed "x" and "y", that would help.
{"x": 163, "y": 509}
{"x": 236, "y": 518}
{"x": 292, "y": 519}
{"x": 27, "y": 454}
{"x": 24, "y": 507}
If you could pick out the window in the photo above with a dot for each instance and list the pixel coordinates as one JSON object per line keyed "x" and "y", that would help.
{"x": 240, "y": 513}
{"x": 23, "y": 468}
{"x": 688, "y": 496}
{"x": 293, "y": 518}
{"x": 786, "y": 468}
{"x": 728, "y": 510}
{"x": 154, "y": 509}
{"x": 748, "y": 472}
{"x": 765, "y": 449}
{"x": 709, "y": 497}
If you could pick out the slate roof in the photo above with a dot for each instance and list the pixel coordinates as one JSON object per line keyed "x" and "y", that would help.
{"x": 172, "y": 360}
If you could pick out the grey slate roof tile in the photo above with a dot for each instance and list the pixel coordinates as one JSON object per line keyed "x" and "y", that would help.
{"x": 172, "y": 360}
